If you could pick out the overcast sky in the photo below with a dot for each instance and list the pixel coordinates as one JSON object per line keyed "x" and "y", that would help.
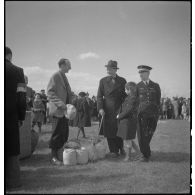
{"x": 91, "y": 33}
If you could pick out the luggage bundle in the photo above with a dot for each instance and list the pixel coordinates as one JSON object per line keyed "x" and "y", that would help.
{"x": 72, "y": 153}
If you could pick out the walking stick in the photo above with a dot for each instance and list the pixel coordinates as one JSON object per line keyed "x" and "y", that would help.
{"x": 100, "y": 125}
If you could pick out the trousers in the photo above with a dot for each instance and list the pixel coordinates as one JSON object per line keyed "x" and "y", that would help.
{"x": 145, "y": 131}
{"x": 115, "y": 144}
{"x": 60, "y": 133}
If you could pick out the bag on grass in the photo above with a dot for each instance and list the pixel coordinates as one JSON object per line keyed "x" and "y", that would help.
{"x": 69, "y": 157}
{"x": 101, "y": 150}
{"x": 92, "y": 153}
{"x": 34, "y": 140}
{"x": 82, "y": 156}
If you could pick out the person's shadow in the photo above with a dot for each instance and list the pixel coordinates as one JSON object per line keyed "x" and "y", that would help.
{"x": 174, "y": 157}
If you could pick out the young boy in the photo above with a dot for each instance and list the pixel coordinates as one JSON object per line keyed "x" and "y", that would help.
{"x": 127, "y": 120}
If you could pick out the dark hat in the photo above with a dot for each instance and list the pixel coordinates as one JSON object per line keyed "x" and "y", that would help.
{"x": 8, "y": 51}
{"x": 82, "y": 94}
{"x": 144, "y": 68}
{"x": 62, "y": 61}
{"x": 112, "y": 64}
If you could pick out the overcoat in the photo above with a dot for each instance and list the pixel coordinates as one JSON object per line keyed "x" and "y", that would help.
{"x": 59, "y": 93}
{"x": 127, "y": 120}
{"x": 110, "y": 97}
{"x": 15, "y": 107}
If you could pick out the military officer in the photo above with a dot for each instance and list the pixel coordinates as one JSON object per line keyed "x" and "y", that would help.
{"x": 149, "y": 95}
{"x": 111, "y": 93}
{"x": 15, "y": 102}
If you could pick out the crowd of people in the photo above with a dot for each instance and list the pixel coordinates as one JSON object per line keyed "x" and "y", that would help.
{"x": 175, "y": 108}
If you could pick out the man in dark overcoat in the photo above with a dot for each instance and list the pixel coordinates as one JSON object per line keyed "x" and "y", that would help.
{"x": 149, "y": 95}
{"x": 111, "y": 93}
{"x": 15, "y": 108}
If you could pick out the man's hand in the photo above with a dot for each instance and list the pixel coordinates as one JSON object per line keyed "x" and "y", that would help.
{"x": 20, "y": 123}
{"x": 63, "y": 107}
{"x": 117, "y": 116}
{"x": 101, "y": 112}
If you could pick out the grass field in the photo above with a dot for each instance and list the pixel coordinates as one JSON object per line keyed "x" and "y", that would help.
{"x": 168, "y": 171}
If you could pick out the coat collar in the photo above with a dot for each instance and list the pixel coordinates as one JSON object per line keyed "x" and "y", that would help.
{"x": 61, "y": 78}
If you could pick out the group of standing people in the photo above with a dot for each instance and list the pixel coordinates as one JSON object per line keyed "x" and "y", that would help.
{"x": 140, "y": 111}
{"x": 175, "y": 108}
{"x": 126, "y": 108}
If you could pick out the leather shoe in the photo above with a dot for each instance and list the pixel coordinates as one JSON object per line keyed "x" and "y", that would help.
{"x": 144, "y": 159}
{"x": 113, "y": 155}
{"x": 56, "y": 162}
{"x": 122, "y": 152}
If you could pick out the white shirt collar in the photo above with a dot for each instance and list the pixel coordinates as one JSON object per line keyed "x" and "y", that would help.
{"x": 146, "y": 81}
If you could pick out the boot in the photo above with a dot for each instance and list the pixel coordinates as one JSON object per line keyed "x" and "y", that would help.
{"x": 127, "y": 155}
{"x": 78, "y": 133}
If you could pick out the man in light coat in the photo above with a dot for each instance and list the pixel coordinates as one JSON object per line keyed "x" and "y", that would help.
{"x": 59, "y": 94}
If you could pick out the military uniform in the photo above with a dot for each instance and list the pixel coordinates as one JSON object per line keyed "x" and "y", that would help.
{"x": 148, "y": 95}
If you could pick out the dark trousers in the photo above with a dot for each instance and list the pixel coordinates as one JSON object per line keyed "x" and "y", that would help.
{"x": 12, "y": 171}
{"x": 115, "y": 144}
{"x": 146, "y": 129}
{"x": 60, "y": 133}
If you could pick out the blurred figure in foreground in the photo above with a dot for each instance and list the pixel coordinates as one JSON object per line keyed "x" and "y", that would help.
{"x": 15, "y": 107}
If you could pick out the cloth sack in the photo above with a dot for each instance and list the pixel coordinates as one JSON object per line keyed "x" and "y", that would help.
{"x": 69, "y": 157}
{"x": 82, "y": 156}
{"x": 70, "y": 112}
{"x": 92, "y": 152}
{"x": 101, "y": 150}
{"x": 34, "y": 140}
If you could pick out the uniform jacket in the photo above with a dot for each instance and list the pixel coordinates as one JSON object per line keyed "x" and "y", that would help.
{"x": 110, "y": 97}
{"x": 128, "y": 118}
{"x": 148, "y": 98}
{"x": 15, "y": 106}
{"x": 58, "y": 94}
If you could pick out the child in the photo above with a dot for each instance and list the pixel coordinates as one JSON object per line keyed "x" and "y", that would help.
{"x": 38, "y": 112}
{"x": 83, "y": 114}
{"x": 128, "y": 120}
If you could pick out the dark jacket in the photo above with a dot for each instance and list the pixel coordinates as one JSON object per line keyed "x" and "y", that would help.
{"x": 15, "y": 106}
{"x": 127, "y": 121}
{"x": 110, "y": 97}
{"x": 83, "y": 118}
{"x": 148, "y": 98}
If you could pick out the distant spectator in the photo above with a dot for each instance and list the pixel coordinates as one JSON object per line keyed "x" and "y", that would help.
{"x": 184, "y": 111}
{"x": 29, "y": 95}
{"x": 83, "y": 114}
{"x": 94, "y": 109}
{"x": 90, "y": 103}
{"x": 164, "y": 109}
{"x": 44, "y": 100}
{"x": 175, "y": 108}
{"x": 38, "y": 112}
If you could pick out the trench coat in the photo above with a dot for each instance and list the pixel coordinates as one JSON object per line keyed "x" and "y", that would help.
{"x": 127, "y": 120}
{"x": 110, "y": 97}
{"x": 15, "y": 107}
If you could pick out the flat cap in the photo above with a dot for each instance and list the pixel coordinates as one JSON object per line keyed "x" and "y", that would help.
{"x": 62, "y": 61}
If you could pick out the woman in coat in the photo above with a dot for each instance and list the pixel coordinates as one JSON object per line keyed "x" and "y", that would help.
{"x": 83, "y": 118}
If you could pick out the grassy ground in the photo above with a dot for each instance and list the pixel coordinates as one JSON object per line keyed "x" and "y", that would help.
{"x": 168, "y": 172}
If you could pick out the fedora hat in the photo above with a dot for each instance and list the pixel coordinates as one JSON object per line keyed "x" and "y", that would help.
{"x": 112, "y": 64}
